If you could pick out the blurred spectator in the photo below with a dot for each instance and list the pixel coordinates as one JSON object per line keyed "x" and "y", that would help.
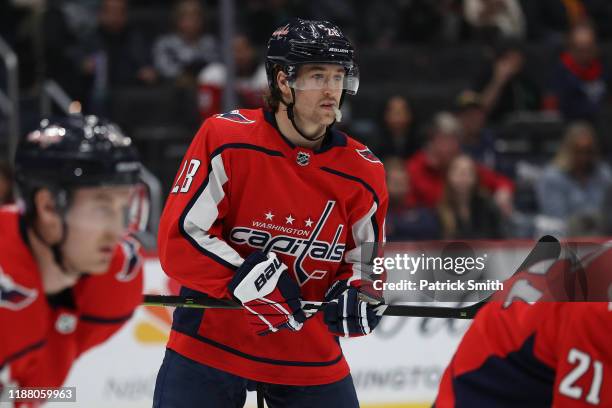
{"x": 579, "y": 82}
{"x": 187, "y": 50}
{"x": 466, "y": 211}
{"x": 396, "y": 136}
{"x": 6, "y": 184}
{"x": 504, "y": 85}
{"x": 574, "y": 184}
{"x": 428, "y": 167}
{"x": 476, "y": 140}
{"x": 403, "y": 223}
{"x": 491, "y": 18}
{"x": 250, "y": 82}
{"x": 115, "y": 55}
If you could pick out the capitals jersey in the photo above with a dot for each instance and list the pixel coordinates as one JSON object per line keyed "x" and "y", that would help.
{"x": 244, "y": 187}
{"x": 541, "y": 354}
{"x": 42, "y": 336}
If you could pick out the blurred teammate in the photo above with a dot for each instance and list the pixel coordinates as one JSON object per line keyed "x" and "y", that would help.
{"x": 271, "y": 207}
{"x": 542, "y": 354}
{"x": 70, "y": 276}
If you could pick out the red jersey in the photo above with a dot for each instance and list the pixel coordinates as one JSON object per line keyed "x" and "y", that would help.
{"x": 42, "y": 336}
{"x": 243, "y": 187}
{"x": 539, "y": 355}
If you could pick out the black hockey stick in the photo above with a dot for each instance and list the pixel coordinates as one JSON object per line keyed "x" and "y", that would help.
{"x": 205, "y": 302}
{"x": 547, "y": 247}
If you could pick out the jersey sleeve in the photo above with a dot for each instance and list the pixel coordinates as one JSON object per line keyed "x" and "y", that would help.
{"x": 365, "y": 233}
{"x": 190, "y": 243}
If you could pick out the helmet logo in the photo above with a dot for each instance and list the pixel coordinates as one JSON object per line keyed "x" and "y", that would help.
{"x": 281, "y": 31}
{"x": 47, "y": 136}
{"x": 303, "y": 158}
{"x": 332, "y": 32}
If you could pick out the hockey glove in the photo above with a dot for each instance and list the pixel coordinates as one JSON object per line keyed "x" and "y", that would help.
{"x": 349, "y": 313}
{"x": 271, "y": 299}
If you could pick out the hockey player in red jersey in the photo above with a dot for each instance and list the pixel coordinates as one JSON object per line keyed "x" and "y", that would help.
{"x": 70, "y": 276}
{"x": 553, "y": 352}
{"x": 269, "y": 208}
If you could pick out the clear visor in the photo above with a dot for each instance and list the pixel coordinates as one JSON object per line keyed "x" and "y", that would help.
{"x": 335, "y": 80}
{"x": 117, "y": 210}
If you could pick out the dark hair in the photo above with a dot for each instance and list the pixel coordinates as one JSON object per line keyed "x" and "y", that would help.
{"x": 272, "y": 98}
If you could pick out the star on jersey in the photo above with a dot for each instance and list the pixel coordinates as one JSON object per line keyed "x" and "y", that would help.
{"x": 269, "y": 215}
{"x": 308, "y": 222}
{"x": 289, "y": 219}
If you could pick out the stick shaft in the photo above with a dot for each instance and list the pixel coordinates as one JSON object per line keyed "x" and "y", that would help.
{"x": 204, "y": 302}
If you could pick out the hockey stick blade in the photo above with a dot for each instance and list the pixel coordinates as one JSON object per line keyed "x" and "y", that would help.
{"x": 547, "y": 247}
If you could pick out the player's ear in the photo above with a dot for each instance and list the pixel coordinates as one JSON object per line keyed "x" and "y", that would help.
{"x": 47, "y": 215}
{"x": 283, "y": 85}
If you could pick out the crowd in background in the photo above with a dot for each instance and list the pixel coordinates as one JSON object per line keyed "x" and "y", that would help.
{"x": 447, "y": 174}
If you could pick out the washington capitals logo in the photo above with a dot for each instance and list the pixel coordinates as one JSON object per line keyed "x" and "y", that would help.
{"x": 300, "y": 248}
{"x": 234, "y": 116}
{"x": 14, "y": 296}
{"x": 368, "y": 155}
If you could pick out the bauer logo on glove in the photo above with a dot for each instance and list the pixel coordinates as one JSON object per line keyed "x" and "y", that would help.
{"x": 271, "y": 299}
{"x": 268, "y": 273}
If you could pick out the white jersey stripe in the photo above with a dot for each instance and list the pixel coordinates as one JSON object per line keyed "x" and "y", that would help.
{"x": 204, "y": 213}
{"x": 363, "y": 231}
